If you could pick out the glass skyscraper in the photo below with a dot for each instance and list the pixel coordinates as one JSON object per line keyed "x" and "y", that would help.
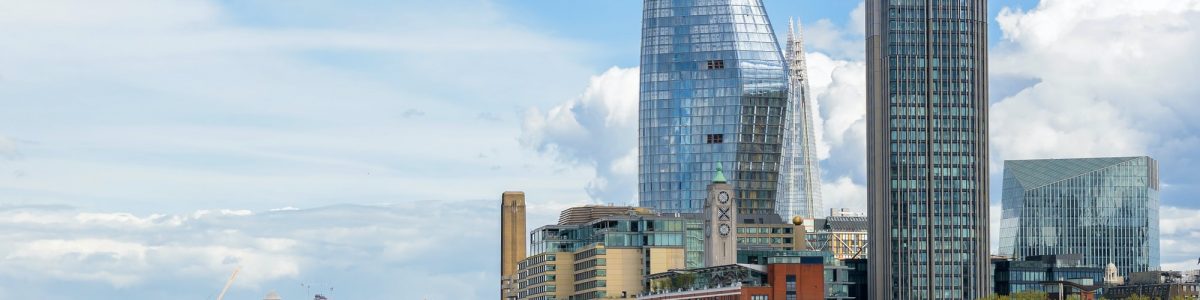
{"x": 713, "y": 89}
{"x": 927, "y": 149}
{"x": 800, "y": 176}
{"x": 1103, "y": 208}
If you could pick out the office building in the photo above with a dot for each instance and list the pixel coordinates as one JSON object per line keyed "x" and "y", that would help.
{"x": 927, "y": 148}
{"x": 843, "y": 236}
{"x": 800, "y": 175}
{"x": 512, "y": 240}
{"x": 1103, "y": 208}
{"x": 1035, "y": 272}
{"x": 608, "y": 256}
{"x": 713, "y": 89}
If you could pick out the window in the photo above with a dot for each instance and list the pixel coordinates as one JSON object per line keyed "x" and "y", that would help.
{"x": 714, "y": 138}
{"x": 760, "y": 297}
{"x": 715, "y": 64}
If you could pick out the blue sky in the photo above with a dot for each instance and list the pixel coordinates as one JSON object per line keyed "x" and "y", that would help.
{"x": 147, "y": 148}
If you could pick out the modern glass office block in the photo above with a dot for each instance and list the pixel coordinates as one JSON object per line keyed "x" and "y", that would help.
{"x": 800, "y": 176}
{"x": 1103, "y": 208}
{"x": 927, "y": 150}
{"x": 713, "y": 89}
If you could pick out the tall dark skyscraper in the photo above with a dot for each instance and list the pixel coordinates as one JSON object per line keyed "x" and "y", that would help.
{"x": 927, "y": 148}
{"x": 713, "y": 89}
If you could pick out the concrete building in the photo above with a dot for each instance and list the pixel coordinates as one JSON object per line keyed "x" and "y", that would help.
{"x": 1105, "y": 208}
{"x": 927, "y": 148}
{"x": 512, "y": 240}
{"x": 713, "y": 89}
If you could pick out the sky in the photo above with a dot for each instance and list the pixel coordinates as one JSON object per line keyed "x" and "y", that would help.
{"x": 150, "y": 147}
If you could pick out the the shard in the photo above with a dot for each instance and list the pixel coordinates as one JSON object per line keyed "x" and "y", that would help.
{"x": 800, "y": 174}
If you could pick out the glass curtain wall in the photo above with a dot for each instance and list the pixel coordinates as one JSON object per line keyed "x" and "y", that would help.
{"x": 927, "y": 148}
{"x": 713, "y": 89}
{"x": 1103, "y": 208}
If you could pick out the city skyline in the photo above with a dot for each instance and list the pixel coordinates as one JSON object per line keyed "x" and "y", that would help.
{"x": 148, "y": 148}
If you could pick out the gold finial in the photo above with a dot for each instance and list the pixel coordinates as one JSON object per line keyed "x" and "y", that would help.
{"x": 797, "y": 220}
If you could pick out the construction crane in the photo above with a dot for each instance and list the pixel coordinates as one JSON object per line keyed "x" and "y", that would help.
{"x": 221, "y": 296}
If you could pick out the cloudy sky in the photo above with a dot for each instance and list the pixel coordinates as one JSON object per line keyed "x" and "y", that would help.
{"x": 150, "y": 147}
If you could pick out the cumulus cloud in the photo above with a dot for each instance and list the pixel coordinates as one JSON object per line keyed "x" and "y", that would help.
{"x": 597, "y": 129}
{"x": 277, "y": 249}
{"x": 1105, "y": 78}
{"x": 1179, "y": 237}
{"x": 837, "y": 77}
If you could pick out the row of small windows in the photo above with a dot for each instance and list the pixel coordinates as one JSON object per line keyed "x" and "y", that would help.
{"x": 763, "y": 241}
{"x": 537, "y": 271}
{"x": 963, "y": 99}
{"x": 589, "y": 253}
{"x": 939, "y": 86}
{"x": 591, "y": 263}
{"x": 959, "y": 123}
{"x": 965, "y": 27}
{"x": 534, "y": 260}
{"x": 933, "y": 147}
{"x": 549, "y": 288}
{"x": 590, "y": 285}
{"x": 590, "y": 274}
{"x": 764, "y": 230}
{"x": 898, "y": 61}
{"x": 537, "y": 280}
{"x": 907, "y": 135}
{"x": 934, "y": 74}
{"x": 916, "y": 111}
{"x": 921, "y": 184}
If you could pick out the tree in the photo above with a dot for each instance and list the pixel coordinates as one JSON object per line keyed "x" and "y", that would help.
{"x": 995, "y": 297}
{"x": 1137, "y": 297}
{"x": 1028, "y": 295}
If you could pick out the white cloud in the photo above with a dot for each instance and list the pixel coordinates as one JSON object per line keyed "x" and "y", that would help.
{"x": 1113, "y": 79}
{"x": 844, "y": 193}
{"x": 182, "y": 104}
{"x": 597, "y": 129}
{"x": 433, "y": 248}
{"x": 837, "y": 77}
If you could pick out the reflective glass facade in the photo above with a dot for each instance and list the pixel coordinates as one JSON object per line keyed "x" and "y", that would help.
{"x": 927, "y": 149}
{"x": 713, "y": 89}
{"x": 1103, "y": 208}
{"x": 800, "y": 176}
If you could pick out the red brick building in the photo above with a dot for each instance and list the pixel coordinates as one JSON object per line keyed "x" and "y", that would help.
{"x": 800, "y": 279}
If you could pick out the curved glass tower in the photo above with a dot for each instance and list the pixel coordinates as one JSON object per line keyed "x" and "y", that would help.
{"x": 927, "y": 149}
{"x": 1103, "y": 208}
{"x": 800, "y": 176}
{"x": 713, "y": 89}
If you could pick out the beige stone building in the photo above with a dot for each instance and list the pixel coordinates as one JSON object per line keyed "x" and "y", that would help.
{"x": 606, "y": 257}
